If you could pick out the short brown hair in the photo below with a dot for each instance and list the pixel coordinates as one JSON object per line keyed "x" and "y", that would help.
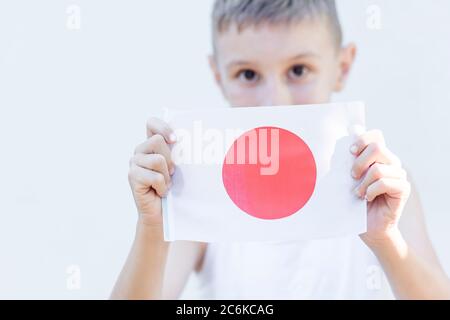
{"x": 244, "y": 13}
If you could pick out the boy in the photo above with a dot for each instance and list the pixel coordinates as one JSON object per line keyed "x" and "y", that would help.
{"x": 269, "y": 53}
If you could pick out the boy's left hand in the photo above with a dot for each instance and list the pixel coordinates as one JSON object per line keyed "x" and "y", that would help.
{"x": 382, "y": 182}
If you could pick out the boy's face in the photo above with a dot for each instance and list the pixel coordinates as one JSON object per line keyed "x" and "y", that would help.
{"x": 274, "y": 65}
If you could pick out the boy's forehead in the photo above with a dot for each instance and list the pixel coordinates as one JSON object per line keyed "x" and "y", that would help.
{"x": 311, "y": 37}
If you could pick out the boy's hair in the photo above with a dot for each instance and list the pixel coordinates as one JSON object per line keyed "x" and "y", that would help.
{"x": 244, "y": 13}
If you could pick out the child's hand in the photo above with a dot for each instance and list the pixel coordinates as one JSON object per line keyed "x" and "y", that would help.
{"x": 150, "y": 172}
{"x": 383, "y": 183}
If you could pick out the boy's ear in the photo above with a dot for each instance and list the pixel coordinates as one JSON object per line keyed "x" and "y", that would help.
{"x": 346, "y": 59}
{"x": 215, "y": 69}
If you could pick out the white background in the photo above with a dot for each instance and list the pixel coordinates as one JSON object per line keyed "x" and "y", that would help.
{"x": 73, "y": 105}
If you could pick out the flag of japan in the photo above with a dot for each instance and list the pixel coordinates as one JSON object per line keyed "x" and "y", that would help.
{"x": 264, "y": 174}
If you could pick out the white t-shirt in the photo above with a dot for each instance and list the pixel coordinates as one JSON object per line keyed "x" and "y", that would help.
{"x": 338, "y": 268}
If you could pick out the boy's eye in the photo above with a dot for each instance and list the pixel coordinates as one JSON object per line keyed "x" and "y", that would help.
{"x": 248, "y": 75}
{"x": 298, "y": 71}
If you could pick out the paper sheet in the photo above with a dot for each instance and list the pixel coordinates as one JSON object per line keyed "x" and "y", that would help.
{"x": 264, "y": 174}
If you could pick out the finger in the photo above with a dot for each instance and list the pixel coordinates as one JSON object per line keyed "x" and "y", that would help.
{"x": 154, "y": 162}
{"x": 376, "y": 172}
{"x": 365, "y": 139}
{"x": 144, "y": 179}
{"x": 157, "y": 145}
{"x": 157, "y": 126}
{"x": 373, "y": 153}
{"x": 394, "y": 188}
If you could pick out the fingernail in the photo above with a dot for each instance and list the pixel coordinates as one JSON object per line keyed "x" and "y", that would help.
{"x": 354, "y": 175}
{"x": 173, "y": 137}
{"x": 357, "y": 192}
{"x": 172, "y": 171}
{"x": 354, "y": 149}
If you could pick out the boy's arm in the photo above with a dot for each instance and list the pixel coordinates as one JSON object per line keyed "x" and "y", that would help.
{"x": 408, "y": 258}
{"x": 143, "y": 273}
{"x": 153, "y": 270}
{"x": 156, "y": 269}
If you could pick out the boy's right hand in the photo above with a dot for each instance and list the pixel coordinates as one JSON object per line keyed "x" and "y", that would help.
{"x": 150, "y": 172}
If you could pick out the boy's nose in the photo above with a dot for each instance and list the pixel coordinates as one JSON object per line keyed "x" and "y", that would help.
{"x": 277, "y": 93}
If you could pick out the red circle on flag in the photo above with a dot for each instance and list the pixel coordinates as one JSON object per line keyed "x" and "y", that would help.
{"x": 269, "y": 173}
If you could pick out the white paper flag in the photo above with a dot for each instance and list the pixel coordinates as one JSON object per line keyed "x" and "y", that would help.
{"x": 264, "y": 174}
